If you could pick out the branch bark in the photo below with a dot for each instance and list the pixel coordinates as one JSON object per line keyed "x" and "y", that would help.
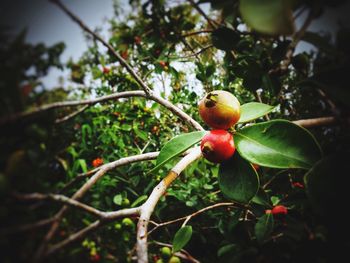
{"x": 106, "y": 44}
{"x": 148, "y": 207}
{"x": 126, "y": 94}
{"x": 315, "y": 122}
{"x": 83, "y": 190}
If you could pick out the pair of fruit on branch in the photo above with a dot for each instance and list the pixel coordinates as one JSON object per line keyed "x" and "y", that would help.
{"x": 220, "y": 110}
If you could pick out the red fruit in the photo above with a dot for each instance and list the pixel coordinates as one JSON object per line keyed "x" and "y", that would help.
{"x": 268, "y": 211}
{"x": 217, "y": 146}
{"x": 95, "y": 257}
{"x": 279, "y": 210}
{"x": 137, "y": 40}
{"x": 298, "y": 185}
{"x": 220, "y": 109}
{"x": 106, "y": 70}
{"x": 124, "y": 54}
{"x": 97, "y": 162}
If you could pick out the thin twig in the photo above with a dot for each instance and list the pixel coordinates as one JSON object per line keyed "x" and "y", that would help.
{"x": 290, "y": 51}
{"x": 182, "y": 254}
{"x": 72, "y": 115}
{"x": 114, "y": 96}
{"x": 144, "y": 86}
{"x": 59, "y": 198}
{"x": 92, "y": 180}
{"x": 212, "y": 23}
{"x": 197, "y": 53}
{"x": 197, "y": 32}
{"x": 188, "y": 217}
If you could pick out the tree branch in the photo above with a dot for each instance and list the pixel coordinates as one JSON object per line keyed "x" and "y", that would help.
{"x": 62, "y": 199}
{"x": 212, "y": 23}
{"x": 322, "y": 121}
{"x": 125, "y": 94}
{"x": 105, "y": 218}
{"x": 188, "y": 217}
{"x": 71, "y": 115}
{"x": 197, "y": 32}
{"x": 106, "y": 44}
{"x": 290, "y": 51}
{"x": 148, "y": 207}
{"x": 84, "y": 189}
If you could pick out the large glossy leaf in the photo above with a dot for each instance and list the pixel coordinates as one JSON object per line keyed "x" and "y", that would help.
{"x": 238, "y": 180}
{"x": 263, "y": 228}
{"x": 182, "y": 236}
{"x": 272, "y": 17}
{"x": 225, "y": 38}
{"x": 278, "y": 144}
{"x": 176, "y": 146}
{"x": 253, "y": 110}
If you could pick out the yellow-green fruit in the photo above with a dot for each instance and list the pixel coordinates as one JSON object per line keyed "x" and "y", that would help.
{"x": 125, "y": 202}
{"x": 127, "y": 222}
{"x": 160, "y": 261}
{"x": 117, "y": 226}
{"x": 174, "y": 259}
{"x": 220, "y": 109}
{"x": 165, "y": 252}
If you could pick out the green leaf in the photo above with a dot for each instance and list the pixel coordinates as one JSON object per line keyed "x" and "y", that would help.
{"x": 273, "y": 17}
{"x": 278, "y": 144}
{"x": 182, "y": 236}
{"x": 225, "y": 38}
{"x": 227, "y": 250}
{"x": 238, "y": 180}
{"x": 263, "y": 228}
{"x": 118, "y": 199}
{"x": 261, "y": 198}
{"x": 253, "y": 110}
{"x": 139, "y": 200}
{"x": 176, "y": 146}
{"x": 82, "y": 164}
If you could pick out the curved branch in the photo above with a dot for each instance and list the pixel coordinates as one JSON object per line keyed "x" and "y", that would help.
{"x": 106, "y": 44}
{"x": 188, "y": 217}
{"x": 125, "y": 94}
{"x": 106, "y": 217}
{"x": 83, "y": 190}
{"x": 315, "y": 122}
{"x": 71, "y": 115}
{"x": 148, "y": 207}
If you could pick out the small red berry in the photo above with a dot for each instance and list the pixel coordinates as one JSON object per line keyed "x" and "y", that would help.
{"x": 137, "y": 40}
{"x": 279, "y": 210}
{"x": 106, "y": 70}
{"x": 298, "y": 185}
{"x": 97, "y": 162}
{"x": 95, "y": 258}
{"x": 124, "y": 54}
{"x": 268, "y": 211}
{"x": 217, "y": 146}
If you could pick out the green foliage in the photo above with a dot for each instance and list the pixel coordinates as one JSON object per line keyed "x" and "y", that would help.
{"x": 278, "y": 144}
{"x": 181, "y": 238}
{"x": 253, "y": 110}
{"x": 176, "y": 146}
{"x": 238, "y": 180}
{"x": 158, "y": 39}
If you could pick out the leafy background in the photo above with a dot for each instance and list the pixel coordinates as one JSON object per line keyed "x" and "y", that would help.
{"x": 41, "y": 156}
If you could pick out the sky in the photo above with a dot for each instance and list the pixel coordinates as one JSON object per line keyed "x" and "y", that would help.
{"x": 47, "y": 23}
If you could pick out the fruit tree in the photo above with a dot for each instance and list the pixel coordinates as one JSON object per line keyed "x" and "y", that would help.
{"x": 194, "y": 131}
